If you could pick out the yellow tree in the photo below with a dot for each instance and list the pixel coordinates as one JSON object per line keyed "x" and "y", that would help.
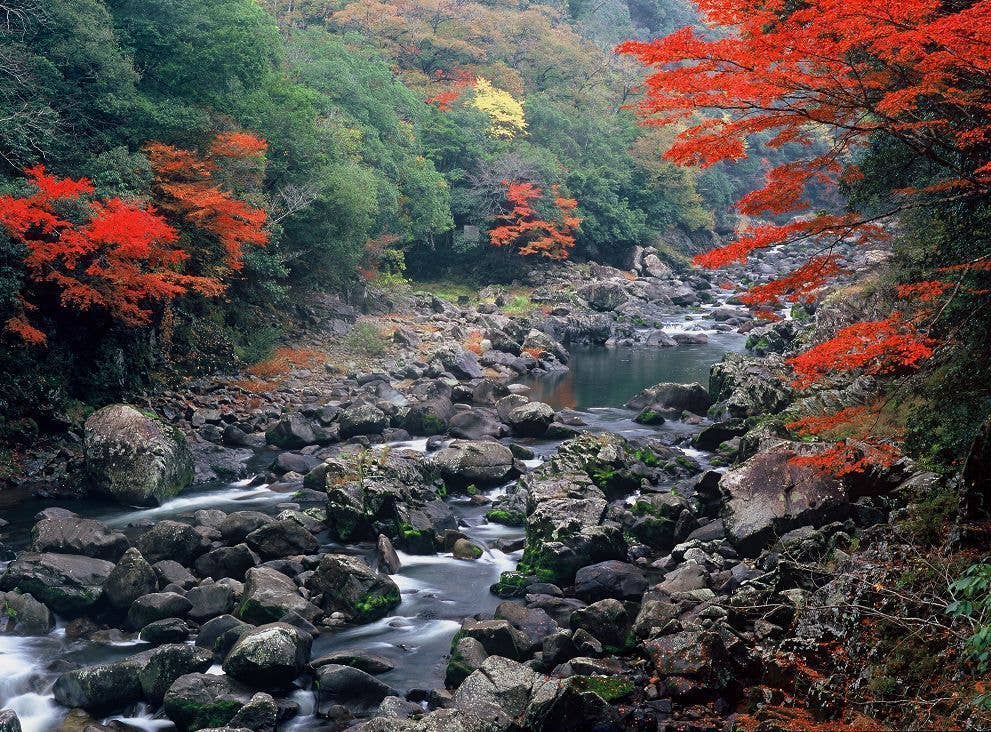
{"x": 504, "y": 111}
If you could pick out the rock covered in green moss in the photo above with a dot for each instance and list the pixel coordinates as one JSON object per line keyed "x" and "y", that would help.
{"x": 67, "y": 583}
{"x": 136, "y": 458}
{"x": 350, "y": 586}
{"x": 201, "y": 701}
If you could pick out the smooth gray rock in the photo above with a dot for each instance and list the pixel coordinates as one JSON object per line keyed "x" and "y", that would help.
{"x": 135, "y": 458}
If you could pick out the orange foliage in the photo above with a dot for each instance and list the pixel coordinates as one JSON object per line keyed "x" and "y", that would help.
{"x": 186, "y": 186}
{"x": 537, "y": 353}
{"x": 521, "y": 226}
{"x": 121, "y": 257}
{"x": 914, "y": 70}
{"x": 283, "y": 360}
{"x": 889, "y": 346}
{"x": 474, "y": 342}
{"x": 797, "y": 286}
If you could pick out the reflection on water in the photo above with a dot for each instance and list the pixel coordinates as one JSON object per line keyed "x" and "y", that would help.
{"x": 608, "y": 377}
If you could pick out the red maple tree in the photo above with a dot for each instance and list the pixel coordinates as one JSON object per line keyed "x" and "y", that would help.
{"x": 521, "y": 225}
{"x": 120, "y": 256}
{"x": 914, "y": 71}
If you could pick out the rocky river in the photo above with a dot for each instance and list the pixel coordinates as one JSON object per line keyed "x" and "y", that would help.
{"x": 536, "y": 520}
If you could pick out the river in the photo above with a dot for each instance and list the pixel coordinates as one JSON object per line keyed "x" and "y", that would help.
{"x": 437, "y": 591}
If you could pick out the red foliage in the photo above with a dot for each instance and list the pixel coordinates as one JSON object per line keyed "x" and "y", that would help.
{"x": 124, "y": 256}
{"x": 522, "y": 227}
{"x": 456, "y": 81}
{"x": 889, "y": 346}
{"x": 797, "y": 286}
{"x": 185, "y": 182}
{"x": 913, "y": 70}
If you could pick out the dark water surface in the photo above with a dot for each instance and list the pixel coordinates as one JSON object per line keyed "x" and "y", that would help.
{"x": 609, "y": 377}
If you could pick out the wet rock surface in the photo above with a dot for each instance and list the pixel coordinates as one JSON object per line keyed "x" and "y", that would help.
{"x": 623, "y": 568}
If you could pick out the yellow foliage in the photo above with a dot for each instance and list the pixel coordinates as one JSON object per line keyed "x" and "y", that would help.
{"x": 505, "y": 113}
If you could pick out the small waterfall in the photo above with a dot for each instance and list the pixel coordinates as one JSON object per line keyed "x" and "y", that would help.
{"x": 23, "y": 687}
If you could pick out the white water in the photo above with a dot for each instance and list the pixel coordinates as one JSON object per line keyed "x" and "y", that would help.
{"x": 21, "y": 682}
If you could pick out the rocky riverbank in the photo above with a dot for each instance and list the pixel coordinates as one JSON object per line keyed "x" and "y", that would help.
{"x": 655, "y": 583}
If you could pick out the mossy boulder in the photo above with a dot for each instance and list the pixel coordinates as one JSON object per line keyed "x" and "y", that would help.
{"x": 202, "y": 701}
{"x": 350, "y": 586}
{"x": 67, "y": 583}
{"x": 135, "y": 458}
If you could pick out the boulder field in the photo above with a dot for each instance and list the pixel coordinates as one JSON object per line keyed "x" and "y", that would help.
{"x": 655, "y": 584}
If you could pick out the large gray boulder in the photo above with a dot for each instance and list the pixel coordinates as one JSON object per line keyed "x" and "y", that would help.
{"x": 74, "y": 535}
{"x": 505, "y": 694}
{"x": 69, "y": 584}
{"x": 21, "y": 614}
{"x": 166, "y": 664}
{"x": 270, "y": 595}
{"x": 612, "y": 578}
{"x": 101, "y": 688}
{"x": 129, "y": 580}
{"x": 745, "y": 387}
{"x": 481, "y": 463}
{"x": 204, "y": 701}
{"x": 604, "y": 295}
{"x": 769, "y": 495}
{"x": 350, "y": 586}
{"x": 136, "y": 458}
{"x": 171, "y": 540}
{"x": 9, "y": 721}
{"x": 531, "y": 419}
{"x": 357, "y": 691}
{"x": 269, "y": 657}
{"x": 285, "y": 538}
{"x": 363, "y": 419}
{"x": 672, "y": 399}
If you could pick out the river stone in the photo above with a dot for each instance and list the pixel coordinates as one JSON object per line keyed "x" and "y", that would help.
{"x": 210, "y": 600}
{"x": 506, "y": 694}
{"x": 467, "y": 656}
{"x": 166, "y": 664}
{"x": 171, "y": 540}
{"x": 769, "y": 495}
{"x": 355, "y": 690}
{"x": 170, "y": 572}
{"x": 604, "y": 295}
{"x": 21, "y": 614}
{"x": 291, "y": 433}
{"x": 464, "y": 549}
{"x": 539, "y": 341}
{"x": 473, "y": 424}
{"x": 672, "y": 399}
{"x": 9, "y": 721}
{"x": 169, "y": 630}
{"x": 134, "y": 458}
{"x": 460, "y": 363}
{"x": 429, "y": 417}
{"x": 270, "y": 595}
{"x": 221, "y": 633}
{"x": 498, "y": 637}
{"x": 285, "y": 538}
{"x": 69, "y": 584}
{"x": 227, "y": 561}
{"x": 388, "y": 558}
{"x": 101, "y": 688}
{"x": 606, "y": 620}
{"x": 238, "y": 524}
{"x": 482, "y": 463}
{"x": 156, "y": 606}
{"x": 363, "y": 419}
{"x": 531, "y": 419}
{"x": 611, "y": 578}
{"x": 744, "y": 386}
{"x": 129, "y": 580}
{"x": 359, "y": 658}
{"x": 260, "y": 713}
{"x": 269, "y": 657}
{"x": 349, "y": 586}
{"x": 201, "y": 701}
{"x": 78, "y": 536}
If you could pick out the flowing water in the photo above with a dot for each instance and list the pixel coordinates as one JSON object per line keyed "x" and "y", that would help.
{"x": 437, "y": 591}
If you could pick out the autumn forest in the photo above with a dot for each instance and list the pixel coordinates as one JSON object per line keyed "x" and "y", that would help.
{"x": 495, "y": 365}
